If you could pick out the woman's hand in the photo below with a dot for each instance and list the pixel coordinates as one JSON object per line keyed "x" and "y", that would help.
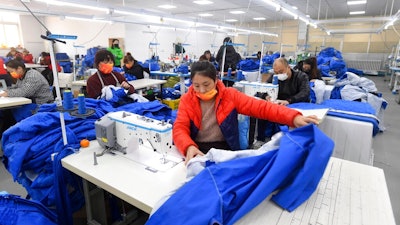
{"x": 3, "y": 94}
{"x": 300, "y": 120}
{"x": 192, "y": 152}
{"x": 125, "y": 85}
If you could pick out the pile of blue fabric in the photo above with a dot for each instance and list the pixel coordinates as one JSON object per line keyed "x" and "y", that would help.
{"x": 269, "y": 59}
{"x": 171, "y": 93}
{"x": 29, "y": 145}
{"x": 330, "y": 63}
{"x": 249, "y": 65}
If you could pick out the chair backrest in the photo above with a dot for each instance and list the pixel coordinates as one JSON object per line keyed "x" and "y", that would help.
{"x": 3, "y": 85}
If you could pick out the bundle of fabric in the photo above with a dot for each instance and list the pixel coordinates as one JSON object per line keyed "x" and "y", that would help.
{"x": 330, "y": 63}
{"x": 249, "y": 65}
{"x": 225, "y": 189}
{"x": 29, "y": 145}
{"x": 269, "y": 59}
{"x": 16, "y": 210}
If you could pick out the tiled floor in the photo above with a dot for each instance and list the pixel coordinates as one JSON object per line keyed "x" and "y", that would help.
{"x": 385, "y": 144}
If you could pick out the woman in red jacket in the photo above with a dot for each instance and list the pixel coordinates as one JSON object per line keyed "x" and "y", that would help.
{"x": 208, "y": 112}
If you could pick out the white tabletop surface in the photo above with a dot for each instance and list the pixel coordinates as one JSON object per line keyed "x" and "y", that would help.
{"x": 79, "y": 83}
{"x": 13, "y": 101}
{"x": 146, "y": 82}
{"x": 34, "y": 65}
{"x": 348, "y": 193}
{"x": 124, "y": 177}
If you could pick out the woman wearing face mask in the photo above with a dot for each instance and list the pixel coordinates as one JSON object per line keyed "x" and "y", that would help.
{"x": 132, "y": 67}
{"x": 28, "y": 83}
{"x": 104, "y": 62}
{"x": 207, "y": 113}
{"x": 293, "y": 87}
{"x": 117, "y": 52}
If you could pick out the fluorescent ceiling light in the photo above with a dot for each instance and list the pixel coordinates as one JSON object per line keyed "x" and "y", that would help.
{"x": 259, "y": 18}
{"x": 236, "y": 12}
{"x": 357, "y": 12}
{"x": 167, "y": 6}
{"x": 295, "y": 16}
{"x": 231, "y": 20}
{"x": 360, "y": 2}
{"x": 205, "y": 14}
{"x": 87, "y": 19}
{"x": 273, "y": 4}
{"x": 203, "y": 2}
{"x": 61, "y": 3}
{"x": 308, "y": 16}
{"x": 294, "y": 7}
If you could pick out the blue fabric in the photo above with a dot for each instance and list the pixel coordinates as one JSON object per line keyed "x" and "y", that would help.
{"x": 350, "y": 106}
{"x": 222, "y": 193}
{"x": 28, "y": 146}
{"x": 130, "y": 77}
{"x": 353, "y": 106}
{"x": 23, "y": 111}
{"x": 15, "y": 210}
{"x": 249, "y": 65}
{"x": 355, "y": 71}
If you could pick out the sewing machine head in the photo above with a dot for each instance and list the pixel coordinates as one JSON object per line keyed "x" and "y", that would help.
{"x": 116, "y": 129}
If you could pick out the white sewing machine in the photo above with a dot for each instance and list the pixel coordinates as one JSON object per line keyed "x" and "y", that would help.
{"x": 251, "y": 88}
{"x": 142, "y": 139}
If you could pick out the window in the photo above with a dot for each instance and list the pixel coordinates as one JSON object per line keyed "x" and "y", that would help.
{"x": 9, "y": 30}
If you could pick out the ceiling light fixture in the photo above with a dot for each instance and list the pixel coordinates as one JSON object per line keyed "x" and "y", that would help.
{"x": 61, "y": 3}
{"x": 231, "y": 20}
{"x": 259, "y": 18}
{"x": 295, "y": 16}
{"x": 236, "y": 12}
{"x": 273, "y": 4}
{"x": 357, "y": 2}
{"x": 167, "y": 6}
{"x": 203, "y": 2}
{"x": 87, "y": 19}
{"x": 205, "y": 14}
{"x": 357, "y": 12}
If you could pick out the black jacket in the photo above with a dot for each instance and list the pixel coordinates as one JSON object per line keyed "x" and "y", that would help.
{"x": 232, "y": 58}
{"x": 136, "y": 70}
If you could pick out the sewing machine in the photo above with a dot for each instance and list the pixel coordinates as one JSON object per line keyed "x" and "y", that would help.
{"x": 142, "y": 139}
{"x": 251, "y": 88}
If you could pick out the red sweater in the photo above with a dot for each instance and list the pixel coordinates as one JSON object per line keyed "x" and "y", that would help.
{"x": 94, "y": 86}
{"x": 229, "y": 102}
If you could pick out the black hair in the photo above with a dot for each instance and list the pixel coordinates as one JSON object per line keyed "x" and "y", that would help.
{"x": 102, "y": 55}
{"x": 203, "y": 68}
{"x": 228, "y": 40}
{"x": 128, "y": 58}
{"x": 15, "y": 63}
{"x": 207, "y": 52}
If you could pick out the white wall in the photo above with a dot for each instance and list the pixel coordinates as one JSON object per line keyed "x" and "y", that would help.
{"x": 90, "y": 34}
{"x": 136, "y": 37}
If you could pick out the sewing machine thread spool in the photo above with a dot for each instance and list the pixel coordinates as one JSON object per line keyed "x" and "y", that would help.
{"x": 275, "y": 79}
{"x": 81, "y": 104}
{"x": 67, "y": 101}
{"x": 229, "y": 72}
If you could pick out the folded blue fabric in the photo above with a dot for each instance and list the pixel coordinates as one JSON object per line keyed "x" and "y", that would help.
{"x": 225, "y": 192}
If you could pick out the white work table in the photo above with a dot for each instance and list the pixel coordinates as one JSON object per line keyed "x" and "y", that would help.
{"x": 146, "y": 82}
{"x": 6, "y": 102}
{"x": 348, "y": 193}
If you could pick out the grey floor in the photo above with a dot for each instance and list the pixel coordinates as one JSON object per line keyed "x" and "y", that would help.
{"x": 386, "y": 147}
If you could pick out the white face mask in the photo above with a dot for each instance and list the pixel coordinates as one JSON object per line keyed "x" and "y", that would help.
{"x": 282, "y": 76}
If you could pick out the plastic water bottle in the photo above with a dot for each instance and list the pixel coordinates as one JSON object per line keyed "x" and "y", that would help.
{"x": 229, "y": 72}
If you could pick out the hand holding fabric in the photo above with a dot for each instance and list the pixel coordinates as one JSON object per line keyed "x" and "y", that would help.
{"x": 192, "y": 152}
{"x": 300, "y": 120}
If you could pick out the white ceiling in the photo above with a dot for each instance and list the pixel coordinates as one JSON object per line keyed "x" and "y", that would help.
{"x": 320, "y": 11}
